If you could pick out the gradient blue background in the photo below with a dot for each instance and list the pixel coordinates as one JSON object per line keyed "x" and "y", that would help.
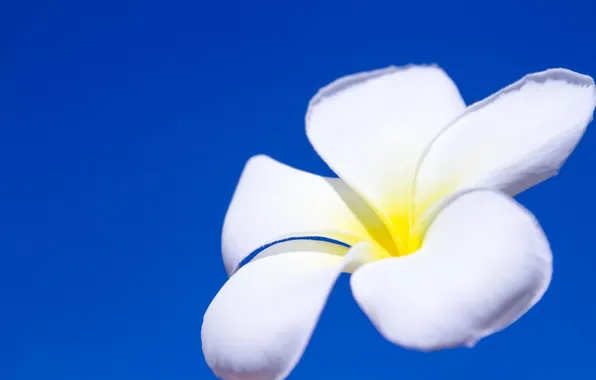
{"x": 124, "y": 126}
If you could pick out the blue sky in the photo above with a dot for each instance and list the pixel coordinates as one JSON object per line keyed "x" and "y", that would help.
{"x": 124, "y": 126}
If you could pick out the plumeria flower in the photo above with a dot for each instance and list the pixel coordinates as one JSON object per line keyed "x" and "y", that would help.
{"x": 421, "y": 215}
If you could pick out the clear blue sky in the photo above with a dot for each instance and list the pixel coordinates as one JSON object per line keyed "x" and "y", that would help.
{"x": 124, "y": 126}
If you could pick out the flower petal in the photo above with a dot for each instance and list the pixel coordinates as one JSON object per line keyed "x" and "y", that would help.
{"x": 372, "y": 127}
{"x": 260, "y": 322}
{"x": 274, "y": 201}
{"x": 512, "y": 140}
{"x": 484, "y": 262}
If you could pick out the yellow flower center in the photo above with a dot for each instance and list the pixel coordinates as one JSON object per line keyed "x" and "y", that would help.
{"x": 396, "y": 230}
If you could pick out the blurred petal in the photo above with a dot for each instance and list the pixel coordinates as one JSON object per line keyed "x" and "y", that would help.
{"x": 512, "y": 140}
{"x": 372, "y": 127}
{"x": 260, "y": 322}
{"x": 485, "y": 261}
{"x": 274, "y": 201}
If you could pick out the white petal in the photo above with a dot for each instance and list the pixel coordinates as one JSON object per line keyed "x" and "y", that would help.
{"x": 372, "y": 127}
{"x": 260, "y": 322}
{"x": 485, "y": 261}
{"x": 512, "y": 140}
{"x": 274, "y": 201}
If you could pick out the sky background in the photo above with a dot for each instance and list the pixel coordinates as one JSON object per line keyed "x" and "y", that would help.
{"x": 124, "y": 126}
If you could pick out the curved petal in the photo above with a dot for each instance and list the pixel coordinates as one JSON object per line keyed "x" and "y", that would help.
{"x": 512, "y": 140}
{"x": 274, "y": 201}
{"x": 485, "y": 261}
{"x": 260, "y": 322}
{"x": 372, "y": 127}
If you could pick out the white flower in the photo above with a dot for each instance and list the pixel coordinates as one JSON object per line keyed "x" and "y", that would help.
{"x": 422, "y": 216}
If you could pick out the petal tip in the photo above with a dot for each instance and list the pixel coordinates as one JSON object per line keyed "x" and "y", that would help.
{"x": 344, "y": 82}
{"x": 471, "y": 343}
{"x": 260, "y": 158}
{"x": 566, "y": 75}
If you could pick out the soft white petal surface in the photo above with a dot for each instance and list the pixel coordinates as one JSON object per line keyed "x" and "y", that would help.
{"x": 260, "y": 322}
{"x": 274, "y": 201}
{"x": 484, "y": 262}
{"x": 512, "y": 140}
{"x": 372, "y": 127}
